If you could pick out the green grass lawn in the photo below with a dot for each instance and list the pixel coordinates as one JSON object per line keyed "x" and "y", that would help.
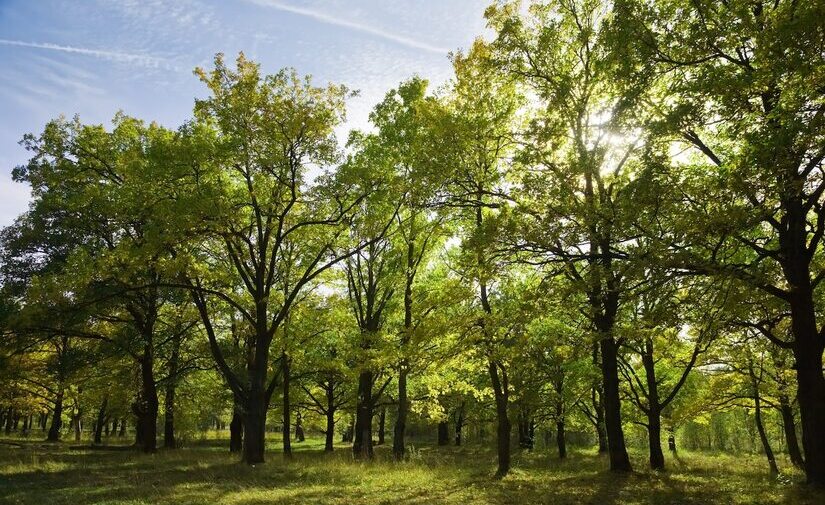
{"x": 45, "y": 474}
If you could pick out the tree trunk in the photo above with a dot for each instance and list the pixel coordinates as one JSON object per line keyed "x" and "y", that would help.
{"x": 362, "y": 446}
{"x": 501, "y": 393}
{"x": 443, "y": 433}
{"x": 561, "y": 442}
{"x": 654, "y": 439}
{"x": 789, "y": 428}
{"x": 169, "y": 441}
{"x": 398, "y": 446}
{"x": 619, "y": 461}
{"x": 149, "y": 401}
{"x": 101, "y": 420}
{"x": 122, "y": 432}
{"x": 236, "y": 425}
{"x": 459, "y": 424}
{"x": 57, "y": 418}
{"x": 254, "y": 424}
{"x": 671, "y": 441}
{"x": 329, "y": 443}
{"x": 763, "y": 437}
{"x": 77, "y": 427}
{"x": 808, "y": 347}
{"x": 654, "y": 409}
{"x": 382, "y": 419}
{"x": 598, "y": 405}
{"x": 286, "y": 431}
{"x": 299, "y": 427}
{"x": 348, "y": 434}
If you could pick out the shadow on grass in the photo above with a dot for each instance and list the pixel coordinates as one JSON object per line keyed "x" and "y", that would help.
{"x": 53, "y": 475}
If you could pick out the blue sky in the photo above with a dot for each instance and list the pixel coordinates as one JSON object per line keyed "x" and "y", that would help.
{"x": 95, "y": 57}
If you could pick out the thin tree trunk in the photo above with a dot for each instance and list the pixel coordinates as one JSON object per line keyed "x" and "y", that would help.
{"x": 382, "y": 418}
{"x": 501, "y": 393}
{"x": 789, "y": 428}
{"x": 169, "y": 441}
{"x": 398, "y": 445}
{"x": 286, "y": 432}
{"x": 561, "y": 442}
{"x": 763, "y": 437}
{"x": 101, "y": 420}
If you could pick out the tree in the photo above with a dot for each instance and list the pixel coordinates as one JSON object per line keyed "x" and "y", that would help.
{"x": 740, "y": 88}
{"x": 263, "y": 218}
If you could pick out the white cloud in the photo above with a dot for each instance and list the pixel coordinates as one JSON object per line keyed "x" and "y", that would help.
{"x": 121, "y": 57}
{"x": 352, "y": 25}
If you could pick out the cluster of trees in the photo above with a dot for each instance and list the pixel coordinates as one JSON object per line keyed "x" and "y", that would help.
{"x": 611, "y": 216}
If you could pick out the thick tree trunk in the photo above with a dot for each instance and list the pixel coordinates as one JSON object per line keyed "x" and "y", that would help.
{"x": 254, "y": 424}
{"x": 789, "y": 428}
{"x": 286, "y": 431}
{"x": 362, "y": 445}
{"x": 57, "y": 418}
{"x": 501, "y": 393}
{"x": 654, "y": 440}
{"x": 122, "y": 432}
{"x": 561, "y": 442}
{"x": 808, "y": 348}
{"x": 619, "y": 461}
{"x": 443, "y": 433}
{"x": 398, "y": 444}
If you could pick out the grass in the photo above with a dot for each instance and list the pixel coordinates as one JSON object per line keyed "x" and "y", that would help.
{"x": 53, "y": 474}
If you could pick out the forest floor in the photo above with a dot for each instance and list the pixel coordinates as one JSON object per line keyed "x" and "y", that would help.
{"x": 52, "y": 474}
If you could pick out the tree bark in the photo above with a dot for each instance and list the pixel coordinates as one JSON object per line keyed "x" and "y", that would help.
{"x": 443, "y": 433}
{"x": 169, "y": 441}
{"x": 299, "y": 427}
{"x": 148, "y": 406}
{"x": 459, "y": 424}
{"x": 101, "y": 420}
{"x": 654, "y": 440}
{"x": 286, "y": 431}
{"x": 561, "y": 442}
{"x": 236, "y": 430}
{"x": 501, "y": 393}
{"x": 57, "y": 418}
{"x": 382, "y": 419}
{"x": 362, "y": 445}
{"x": 789, "y": 428}
{"x": 398, "y": 446}
{"x": 619, "y": 461}
{"x": 763, "y": 437}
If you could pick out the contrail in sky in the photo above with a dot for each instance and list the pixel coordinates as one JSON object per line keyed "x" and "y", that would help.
{"x": 352, "y": 25}
{"x": 137, "y": 59}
